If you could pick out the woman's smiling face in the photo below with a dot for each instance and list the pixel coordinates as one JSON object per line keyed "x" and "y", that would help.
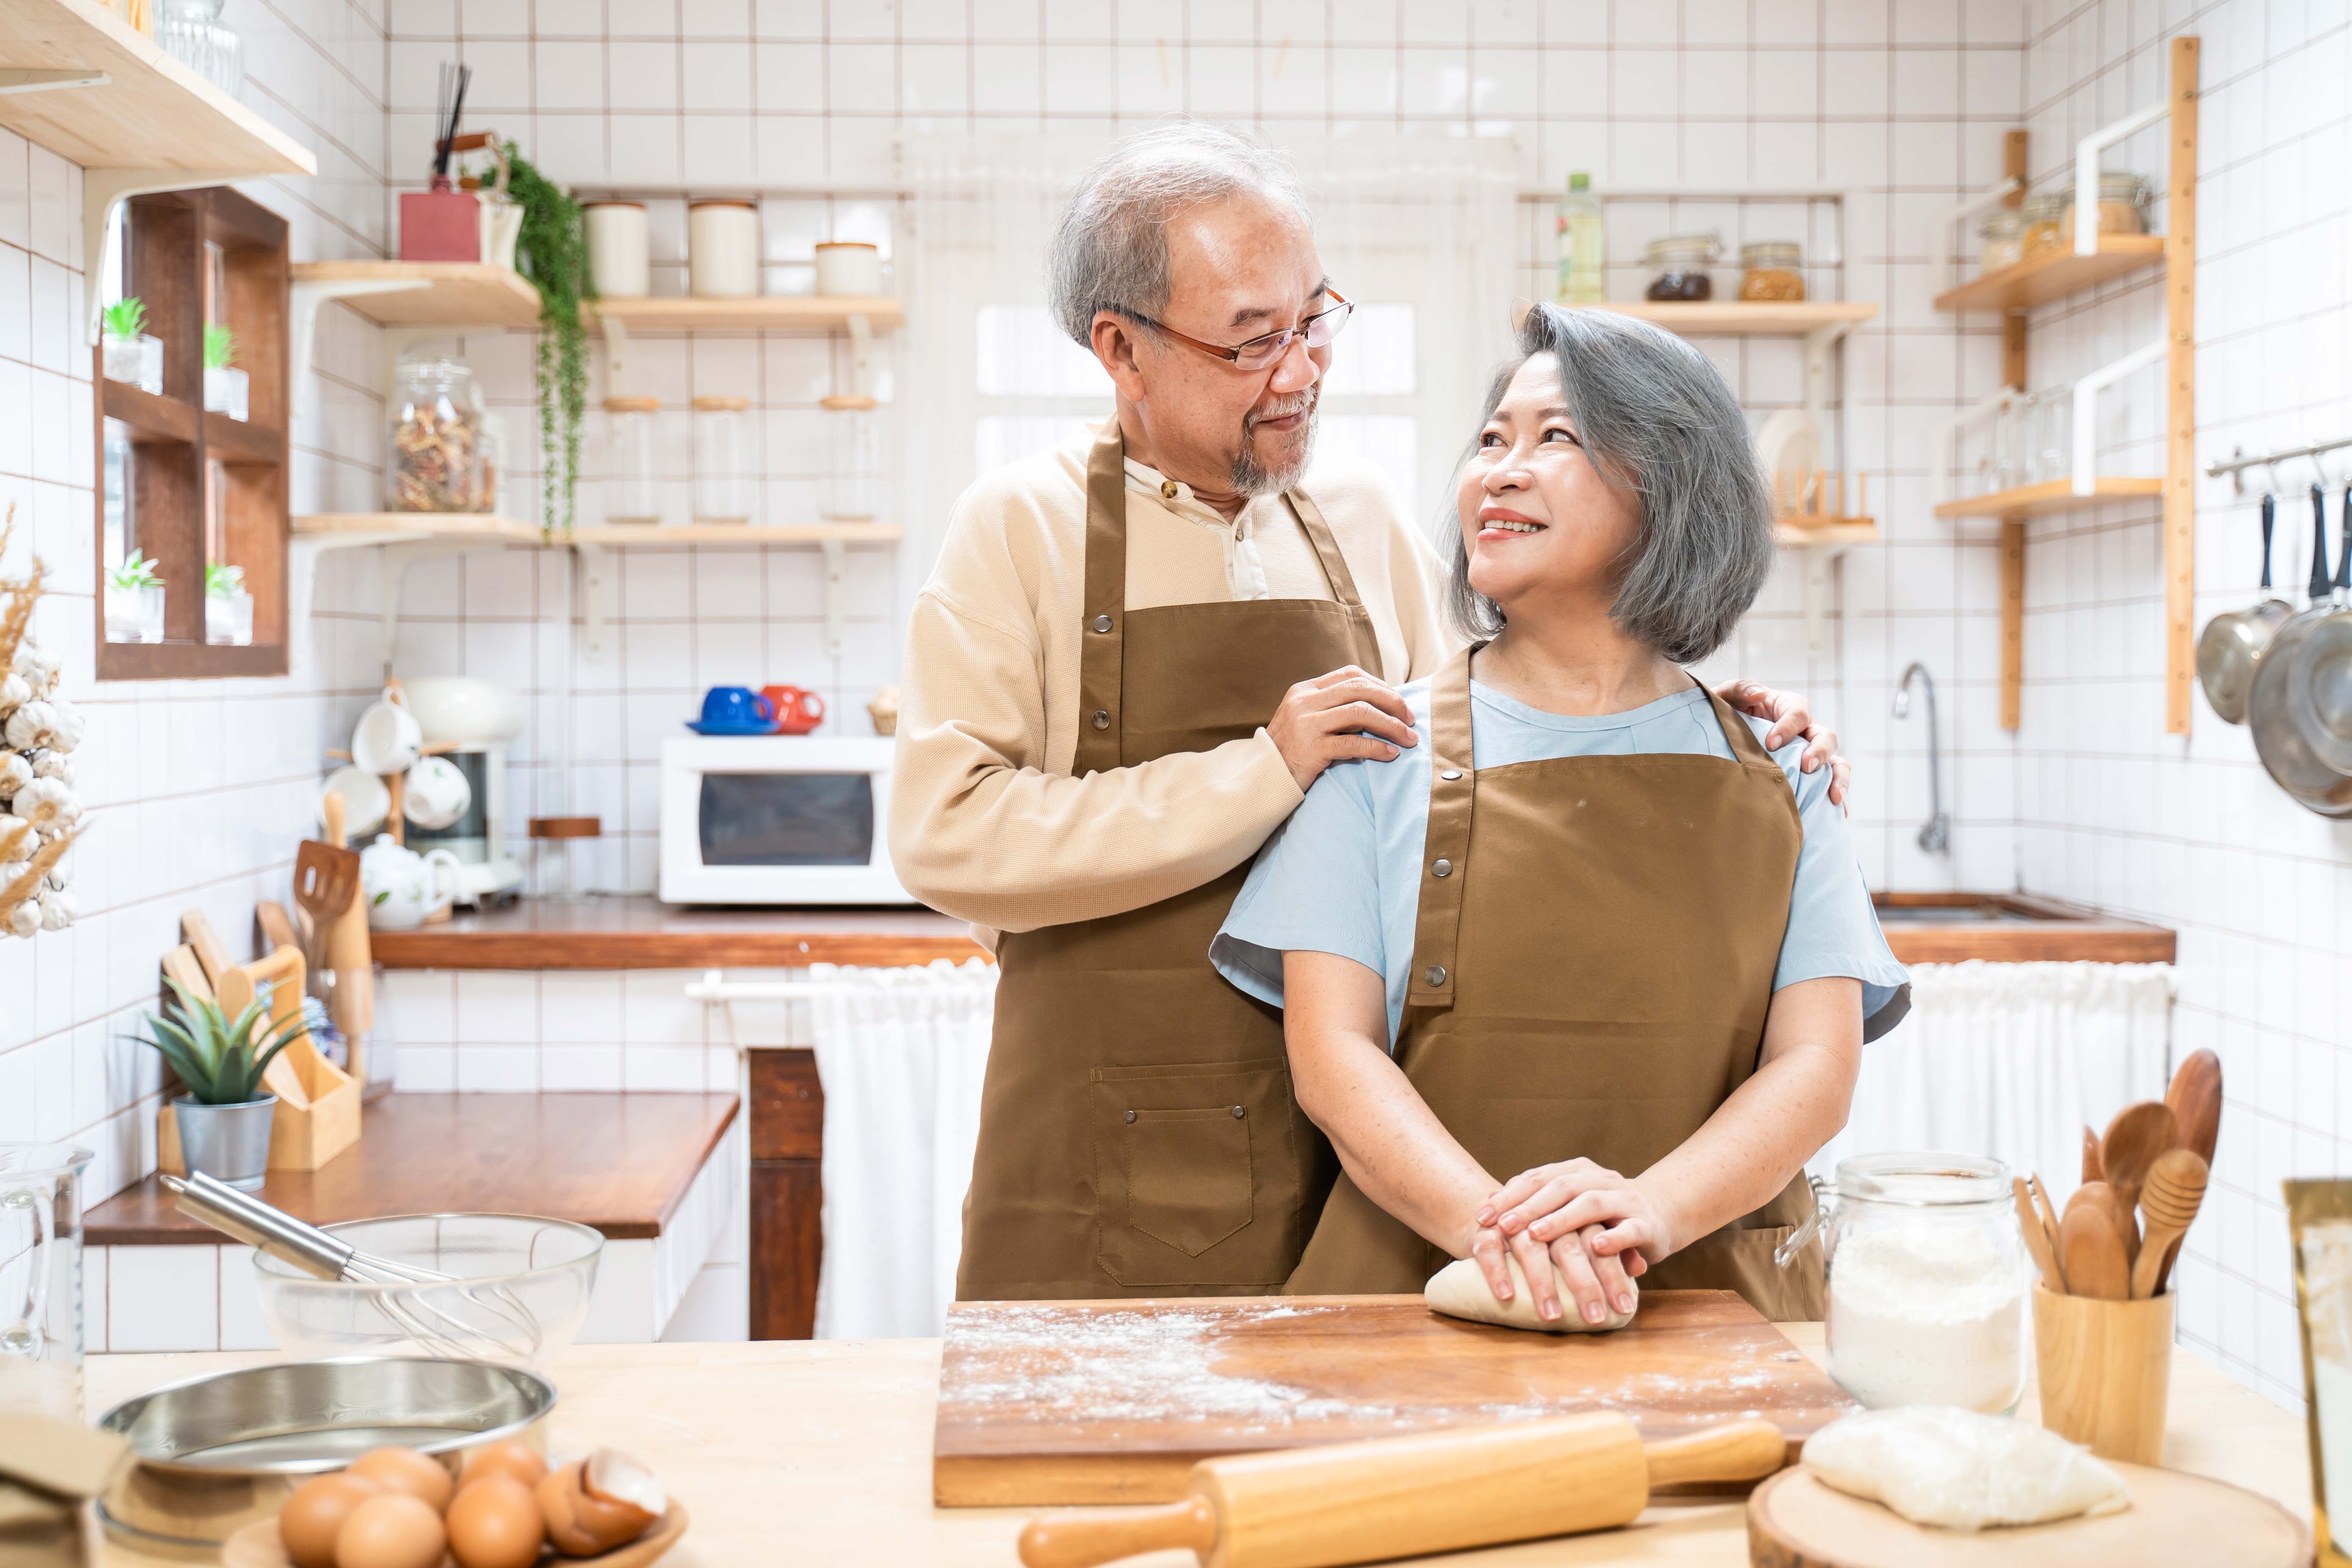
{"x": 1540, "y": 523}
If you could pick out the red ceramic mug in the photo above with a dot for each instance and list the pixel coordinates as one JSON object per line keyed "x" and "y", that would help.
{"x": 797, "y": 711}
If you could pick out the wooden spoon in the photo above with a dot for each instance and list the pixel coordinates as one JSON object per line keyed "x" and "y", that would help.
{"x": 2174, "y": 1193}
{"x": 2092, "y": 1170}
{"x": 2104, "y": 1197}
{"x": 2092, "y": 1255}
{"x": 2196, "y": 1101}
{"x": 2137, "y": 1136}
{"x": 2045, "y": 1209}
{"x": 2037, "y": 1240}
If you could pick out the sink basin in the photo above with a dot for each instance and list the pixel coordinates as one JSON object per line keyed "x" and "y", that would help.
{"x": 2015, "y": 928}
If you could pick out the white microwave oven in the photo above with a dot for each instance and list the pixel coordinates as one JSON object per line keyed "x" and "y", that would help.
{"x": 776, "y": 819}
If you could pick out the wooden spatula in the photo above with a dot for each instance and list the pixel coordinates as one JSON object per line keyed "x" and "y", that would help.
{"x": 2136, "y": 1139}
{"x": 2174, "y": 1192}
{"x": 2108, "y": 1201}
{"x": 2037, "y": 1240}
{"x": 325, "y": 878}
{"x": 2093, "y": 1254}
{"x": 1410, "y": 1496}
{"x": 2196, "y": 1101}
{"x": 2092, "y": 1170}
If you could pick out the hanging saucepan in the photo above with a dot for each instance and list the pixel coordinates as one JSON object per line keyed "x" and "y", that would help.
{"x": 2319, "y": 687}
{"x": 2282, "y": 744}
{"x": 2233, "y": 641}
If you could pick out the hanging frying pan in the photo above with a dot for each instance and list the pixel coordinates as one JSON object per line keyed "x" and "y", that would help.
{"x": 2319, "y": 687}
{"x": 2233, "y": 641}
{"x": 2286, "y": 750}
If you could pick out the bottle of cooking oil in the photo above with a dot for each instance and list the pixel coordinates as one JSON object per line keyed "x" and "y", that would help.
{"x": 1583, "y": 251}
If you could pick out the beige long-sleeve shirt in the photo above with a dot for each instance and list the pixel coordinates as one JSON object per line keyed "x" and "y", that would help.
{"x": 986, "y": 821}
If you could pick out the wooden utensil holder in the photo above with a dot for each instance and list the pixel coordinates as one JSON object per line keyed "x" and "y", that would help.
{"x": 2105, "y": 1369}
{"x": 317, "y": 1114}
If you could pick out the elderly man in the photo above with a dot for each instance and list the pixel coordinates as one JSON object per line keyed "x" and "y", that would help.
{"x": 1135, "y": 653}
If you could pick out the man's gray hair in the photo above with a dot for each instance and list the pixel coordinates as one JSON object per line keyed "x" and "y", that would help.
{"x": 1111, "y": 251}
{"x": 1654, "y": 417}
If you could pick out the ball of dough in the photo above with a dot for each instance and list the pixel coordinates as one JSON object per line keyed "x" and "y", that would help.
{"x": 1939, "y": 1465}
{"x": 1459, "y": 1290}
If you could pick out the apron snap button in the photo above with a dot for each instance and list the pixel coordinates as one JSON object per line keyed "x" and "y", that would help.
{"x": 1168, "y": 489}
{"x": 1102, "y": 623}
{"x": 1130, "y": 1116}
{"x": 1238, "y": 1113}
{"x": 1451, "y": 773}
{"x": 1442, "y": 868}
{"x": 1102, "y": 718}
{"x": 1434, "y": 974}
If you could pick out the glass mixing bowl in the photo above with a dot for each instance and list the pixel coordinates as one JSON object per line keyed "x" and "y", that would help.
{"x": 518, "y": 1293}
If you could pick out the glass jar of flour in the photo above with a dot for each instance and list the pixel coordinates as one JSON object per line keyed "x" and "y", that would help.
{"x": 1927, "y": 1275}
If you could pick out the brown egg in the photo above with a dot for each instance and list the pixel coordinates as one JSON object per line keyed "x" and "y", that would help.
{"x": 495, "y": 1523}
{"x": 394, "y": 1529}
{"x": 406, "y": 1470}
{"x": 504, "y": 1458}
{"x": 315, "y": 1513}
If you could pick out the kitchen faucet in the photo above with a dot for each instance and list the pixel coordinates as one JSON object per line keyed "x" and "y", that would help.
{"x": 1935, "y": 837}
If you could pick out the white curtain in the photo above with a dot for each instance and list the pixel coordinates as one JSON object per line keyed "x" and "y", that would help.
{"x": 1419, "y": 232}
{"x": 2012, "y": 1060}
{"x": 900, "y": 1053}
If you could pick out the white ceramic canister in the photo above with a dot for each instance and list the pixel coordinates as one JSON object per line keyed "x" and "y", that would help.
{"x": 723, "y": 249}
{"x": 848, "y": 266}
{"x": 619, "y": 248}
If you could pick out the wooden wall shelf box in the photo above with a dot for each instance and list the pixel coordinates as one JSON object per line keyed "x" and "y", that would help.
{"x": 426, "y": 293}
{"x": 774, "y": 313}
{"x": 2050, "y": 500}
{"x": 2055, "y": 273}
{"x": 352, "y": 530}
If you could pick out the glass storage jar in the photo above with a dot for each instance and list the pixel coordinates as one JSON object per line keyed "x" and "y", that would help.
{"x": 1682, "y": 260}
{"x": 1926, "y": 1281}
{"x": 722, "y": 471}
{"x": 192, "y": 32}
{"x": 635, "y": 481}
{"x": 2123, "y": 204}
{"x": 435, "y": 433}
{"x": 853, "y": 491}
{"x": 2004, "y": 238}
{"x": 2049, "y": 424}
{"x": 2040, "y": 215}
{"x": 1770, "y": 272}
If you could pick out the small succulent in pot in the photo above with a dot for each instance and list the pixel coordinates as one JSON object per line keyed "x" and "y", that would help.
{"x": 125, "y": 318}
{"x": 224, "y": 1118}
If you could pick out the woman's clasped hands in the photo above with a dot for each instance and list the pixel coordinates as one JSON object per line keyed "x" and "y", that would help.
{"x": 1598, "y": 1228}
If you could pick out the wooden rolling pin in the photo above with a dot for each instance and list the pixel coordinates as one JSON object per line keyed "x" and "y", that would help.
{"x": 1407, "y": 1496}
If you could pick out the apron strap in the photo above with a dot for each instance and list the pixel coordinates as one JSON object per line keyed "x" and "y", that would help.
{"x": 1745, "y": 745}
{"x": 1445, "y": 854}
{"x": 1102, "y": 644}
{"x": 1327, "y": 548}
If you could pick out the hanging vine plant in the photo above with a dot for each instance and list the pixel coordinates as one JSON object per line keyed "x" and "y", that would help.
{"x": 552, "y": 252}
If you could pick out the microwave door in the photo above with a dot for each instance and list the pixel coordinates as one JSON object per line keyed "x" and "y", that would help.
{"x": 786, "y": 819}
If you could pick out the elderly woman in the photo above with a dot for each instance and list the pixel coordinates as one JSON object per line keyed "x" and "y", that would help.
{"x": 1584, "y": 977}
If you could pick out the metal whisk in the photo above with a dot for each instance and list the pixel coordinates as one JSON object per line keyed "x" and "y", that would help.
{"x": 462, "y": 1321}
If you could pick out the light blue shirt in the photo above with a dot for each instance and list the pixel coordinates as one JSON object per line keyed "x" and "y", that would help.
{"x": 1343, "y": 875}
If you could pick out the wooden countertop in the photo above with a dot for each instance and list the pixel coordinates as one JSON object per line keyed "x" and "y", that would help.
{"x": 833, "y": 1439}
{"x": 645, "y": 933}
{"x": 2015, "y": 928}
{"x": 621, "y": 1162}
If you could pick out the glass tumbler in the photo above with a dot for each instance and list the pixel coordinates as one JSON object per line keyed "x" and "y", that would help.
{"x": 854, "y": 492}
{"x": 2053, "y": 435}
{"x": 636, "y": 494}
{"x": 40, "y": 1280}
{"x": 723, "y": 470}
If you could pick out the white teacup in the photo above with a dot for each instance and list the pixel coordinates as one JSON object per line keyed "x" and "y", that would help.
{"x": 437, "y": 793}
{"x": 387, "y": 737}
{"x": 366, "y": 802}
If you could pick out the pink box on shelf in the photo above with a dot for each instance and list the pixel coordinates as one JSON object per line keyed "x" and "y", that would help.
{"x": 440, "y": 224}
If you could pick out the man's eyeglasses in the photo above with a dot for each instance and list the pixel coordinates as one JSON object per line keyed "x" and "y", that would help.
{"x": 1263, "y": 354}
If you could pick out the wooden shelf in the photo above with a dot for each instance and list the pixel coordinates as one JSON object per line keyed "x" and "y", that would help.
{"x": 803, "y": 312}
{"x": 2048, "y": 499}
{"x": 2053, "y": 273}
{"x": 641, "y": 933}
{"x": 1744, "y": 319}
{"x": 151, "y": 416}
{"x": 622, "y": 536}
{"x": 356, "y": 528}
{"x": 446, "y": 293}
{"x": 152, "y": 113}
{"x": 242, "y": 441}
{"x": 1836, "y": 535}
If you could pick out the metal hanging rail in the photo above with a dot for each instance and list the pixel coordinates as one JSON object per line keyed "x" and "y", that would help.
{"x": 2239, "y": 462}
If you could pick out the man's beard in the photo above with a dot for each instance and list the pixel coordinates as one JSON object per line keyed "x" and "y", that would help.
{"x": 1251, "y": 478}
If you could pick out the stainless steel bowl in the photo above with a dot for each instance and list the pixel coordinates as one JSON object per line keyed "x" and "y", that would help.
{"x": 217, "y": 1453}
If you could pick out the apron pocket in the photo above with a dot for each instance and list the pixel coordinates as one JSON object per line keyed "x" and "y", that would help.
{"x": 1188, "y": 1176}
{"x": 1196, "y": 1176}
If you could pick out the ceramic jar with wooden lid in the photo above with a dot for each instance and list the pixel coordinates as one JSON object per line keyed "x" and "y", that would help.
{"x": 723, "y": 249}
{"x": 619, "y": 248}
{"x": 848, "y": 266}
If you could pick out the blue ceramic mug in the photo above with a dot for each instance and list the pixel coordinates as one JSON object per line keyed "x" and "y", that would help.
{"x": 736, "y": 708}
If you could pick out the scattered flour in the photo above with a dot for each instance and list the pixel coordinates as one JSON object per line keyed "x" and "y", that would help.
{"x": 1928, "y": 1312}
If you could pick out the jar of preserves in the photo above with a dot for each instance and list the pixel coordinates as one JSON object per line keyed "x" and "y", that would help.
{"x": 722, "y": 447}
{"x": 436, "y": 435}
{"x": 2040, "y": 216}
{"x": 2004, "y": 238}
{"x": 2123, "y": 204}
{"x": 1681, "y": 261}
{"x": 1769, "y": 272}
{"x": 635, "y": 475}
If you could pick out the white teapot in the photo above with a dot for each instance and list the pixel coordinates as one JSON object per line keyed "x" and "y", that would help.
{"x": 402, "y": 888}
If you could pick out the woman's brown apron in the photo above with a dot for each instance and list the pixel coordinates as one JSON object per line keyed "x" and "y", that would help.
{"x": 1138, "y": 1132}
{"x": 1592, "y": 963}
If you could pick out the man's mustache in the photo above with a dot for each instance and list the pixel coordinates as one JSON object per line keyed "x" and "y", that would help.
{"x": 1304, "y": 402}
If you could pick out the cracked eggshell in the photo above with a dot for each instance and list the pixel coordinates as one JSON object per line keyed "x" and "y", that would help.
{"x": 49, "y": 765}
{"x": 30, "y": 726}
{"x": 67, "y": 724}
{"x": 48, "y": 804}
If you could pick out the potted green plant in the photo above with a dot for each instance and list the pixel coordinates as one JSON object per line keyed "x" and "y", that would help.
{"x": 228, "y": 606}
{"x": 134, "y": 602}
{"x": 226, "y": 387}
{"x": 128, "y": 354}
{"x": 223, "y": 1116}
{"x": 552, "y": 252}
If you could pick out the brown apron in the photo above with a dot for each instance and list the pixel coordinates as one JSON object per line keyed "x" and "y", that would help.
{"x": 1138, "y": 1133}
{"x": 1592, "y": 967}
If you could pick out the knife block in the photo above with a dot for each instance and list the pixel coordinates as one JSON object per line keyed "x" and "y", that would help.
{"x": 2105, "y": 1369}
{"x": 317, "y": 1114}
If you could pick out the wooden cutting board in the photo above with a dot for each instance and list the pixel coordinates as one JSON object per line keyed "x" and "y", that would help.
{"x": 1100, "y": 1402}
{"x": 1795, "y": 1521}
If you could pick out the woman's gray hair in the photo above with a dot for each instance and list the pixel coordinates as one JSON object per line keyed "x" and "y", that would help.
{"x": 1111, "y": 251}
{"x": 1654, "y": 417}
